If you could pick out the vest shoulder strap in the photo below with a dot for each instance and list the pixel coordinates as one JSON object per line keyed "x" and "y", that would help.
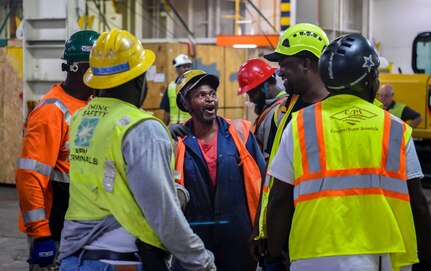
{"x": 242, "y": 128}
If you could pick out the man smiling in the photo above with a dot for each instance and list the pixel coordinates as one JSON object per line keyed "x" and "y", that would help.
{"x": 220, "y": 164}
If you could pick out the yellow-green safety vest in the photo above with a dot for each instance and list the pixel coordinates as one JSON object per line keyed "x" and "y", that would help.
{"x": 397, "y": 109}
{"x": 363, "y": 189}
{"x": 175, "y": 114}
{"x": 269, "y": 180}
{"x": 99, "y": 186}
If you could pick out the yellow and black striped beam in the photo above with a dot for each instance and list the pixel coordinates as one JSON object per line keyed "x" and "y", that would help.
{"x": 285, "y": 14}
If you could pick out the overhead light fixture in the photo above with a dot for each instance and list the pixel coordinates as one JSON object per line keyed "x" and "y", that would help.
{"x": 241, "y": 46}
{"x": 244, "y": 21}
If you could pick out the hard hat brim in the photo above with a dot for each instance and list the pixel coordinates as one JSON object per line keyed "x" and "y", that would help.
{"x": 116, "y": 79}
{"x": 255, "y": 83}
{"x": 184, "y": 63}
{"x": 275, "y": 57}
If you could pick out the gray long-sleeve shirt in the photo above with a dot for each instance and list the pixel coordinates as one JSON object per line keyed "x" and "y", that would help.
{"x": 147, "y": 151}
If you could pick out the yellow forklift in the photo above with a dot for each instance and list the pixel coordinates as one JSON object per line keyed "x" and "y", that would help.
{"x": 414, "y": 90}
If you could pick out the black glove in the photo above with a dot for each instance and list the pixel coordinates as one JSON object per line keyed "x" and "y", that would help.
{"x": 421, "y": 267}
{"x": 274, "y": 263}
{"x": 43, "y": 252}
{"x": 178, "y": 130}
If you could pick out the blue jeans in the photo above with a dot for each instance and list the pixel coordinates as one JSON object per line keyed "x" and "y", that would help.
{"x": 74, "y": 263}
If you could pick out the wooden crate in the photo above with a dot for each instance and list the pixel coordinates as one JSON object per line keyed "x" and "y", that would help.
{"x": 221, "y": 61}
{"x": 11, "y": 120}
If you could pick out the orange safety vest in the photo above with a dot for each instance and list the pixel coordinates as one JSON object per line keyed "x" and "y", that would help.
{"x": 44, "y": 158}
{"x": 239, "y": 130}
{"x": 266, "y": 111}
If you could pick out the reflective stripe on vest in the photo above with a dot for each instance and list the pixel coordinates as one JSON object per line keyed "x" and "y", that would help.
{"x": 58, "y": 176}
{"x": 314, "y": 156}
{"x": 372, "y": 183}
{"x": 31, "y": 164}
{"x": 269, "y": 180}
{"x": 44, "y": 169}
{"x": 352, "y": 185}
{"x": 33, "y": 215}
{"x": 58, "y": 103}
{"x": 239, "y": 129}
{"x": 313, "y": 182}
{"x": 175, "y": 114}
{"x": 265, "y": 112}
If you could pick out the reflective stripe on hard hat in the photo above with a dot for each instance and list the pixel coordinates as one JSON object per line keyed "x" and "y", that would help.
{"x": 112, "y": 69}
{"x": 60, "y": 105}
{"x": 117, "y": 50}
{"x": 33, "y": 215}
{"x": 30, "y": 164}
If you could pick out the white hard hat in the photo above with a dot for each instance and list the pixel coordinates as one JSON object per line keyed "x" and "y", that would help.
{"x": 181, "y": 59}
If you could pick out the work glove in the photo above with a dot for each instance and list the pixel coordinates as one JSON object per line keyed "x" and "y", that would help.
{"x": 274, "y": 263}
{"x": 43, "y": 252}
{"x": 183, "y": 196}
{"x": 178, "y": 130}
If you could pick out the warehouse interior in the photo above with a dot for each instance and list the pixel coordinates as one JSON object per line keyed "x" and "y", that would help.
{"x": 218, "y": 35}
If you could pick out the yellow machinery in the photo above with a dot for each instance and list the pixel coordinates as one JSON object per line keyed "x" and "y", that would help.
{"x": 414, "y": 90}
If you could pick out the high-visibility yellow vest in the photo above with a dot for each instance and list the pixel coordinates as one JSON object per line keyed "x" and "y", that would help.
{"x": 350, "y": 195}
{"x": 99, "y": 185}
{"x": 269, "y": 180}
{"x": 176, "y": 115}
{"x": 397, "y": 109}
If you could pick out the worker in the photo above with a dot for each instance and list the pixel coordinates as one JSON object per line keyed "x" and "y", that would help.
{"x": 402, "y": 111}
{"x": 122, "y": 195}
{"x": 42, "y": 173}
{"x": 257, "y": 79}
{"x": 297, "y": 53}
{"x": 172, "y": 115}
{"x": 220, "y": 164}
{"x": 347, "y": 188}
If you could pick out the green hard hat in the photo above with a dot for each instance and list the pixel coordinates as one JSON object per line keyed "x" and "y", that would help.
{"x": 78, "y": 46}
{"x": 298, "y": 38}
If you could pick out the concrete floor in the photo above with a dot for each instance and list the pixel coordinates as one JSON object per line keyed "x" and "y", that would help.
{"x": 13, "y": 243}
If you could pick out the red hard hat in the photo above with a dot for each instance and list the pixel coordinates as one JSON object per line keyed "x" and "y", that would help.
{"x": 253, "y": 73}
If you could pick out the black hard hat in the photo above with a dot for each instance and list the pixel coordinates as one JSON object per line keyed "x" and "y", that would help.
{"x": 191, "y": 79}
{"x": 349, "y": 63}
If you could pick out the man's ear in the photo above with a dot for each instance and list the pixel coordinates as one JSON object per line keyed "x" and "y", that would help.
{"x": 307, "y": 64}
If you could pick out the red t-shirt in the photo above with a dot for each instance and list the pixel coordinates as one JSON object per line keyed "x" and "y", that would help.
{"x": 209, "y": 152}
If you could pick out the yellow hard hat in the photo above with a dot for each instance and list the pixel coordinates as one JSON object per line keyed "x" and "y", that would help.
{"x": 116, "y": 58}
{"x": 297, "y": 38}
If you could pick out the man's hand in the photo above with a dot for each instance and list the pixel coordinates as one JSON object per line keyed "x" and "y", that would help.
{"x": 275, "y": 263}
{"x": 43, "y": 252}
{"x": 178, "y": 130}
{"x": 257, "y": 247}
